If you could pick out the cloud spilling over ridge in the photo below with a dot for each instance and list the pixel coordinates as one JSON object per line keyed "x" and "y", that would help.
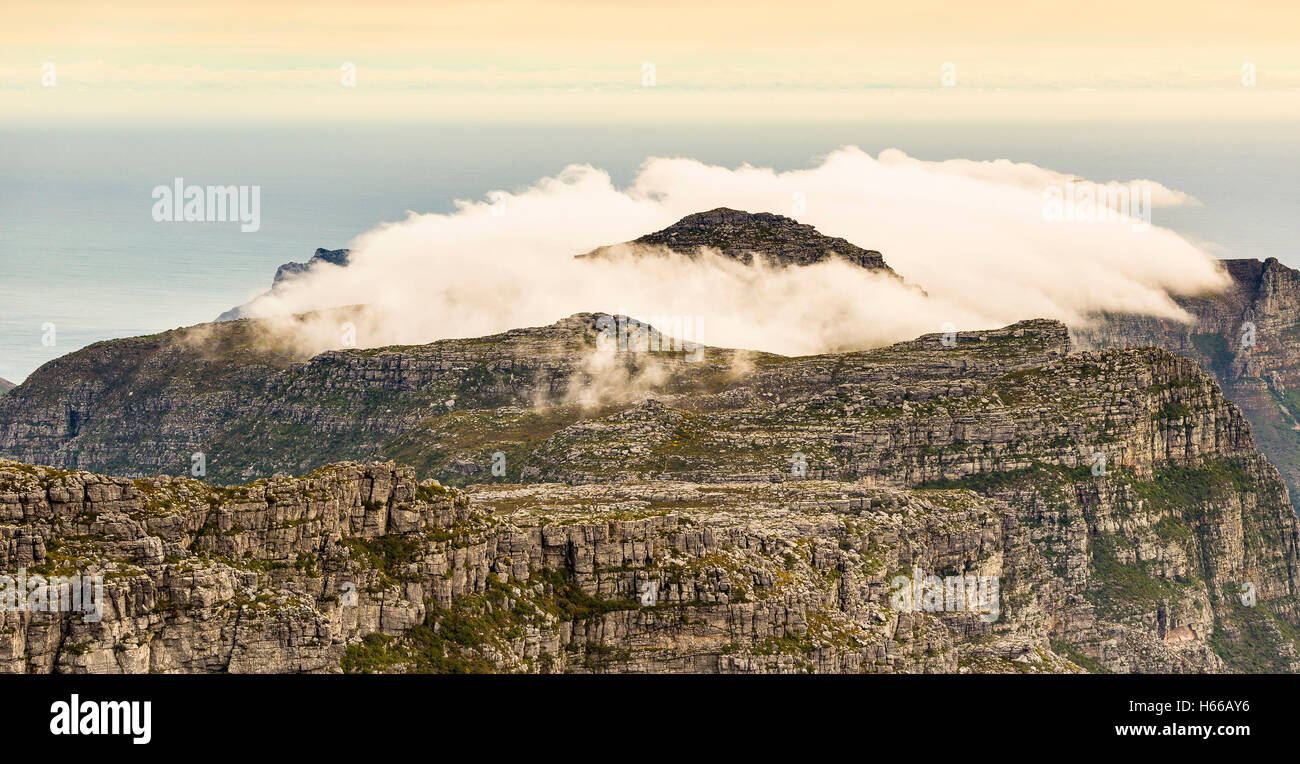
{"x": 973, "y": 235}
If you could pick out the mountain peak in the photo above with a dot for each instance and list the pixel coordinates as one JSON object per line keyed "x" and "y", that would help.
{"x": 738, "y": 234}
{"x": 337, "y": 257}
{"x": 289, "y": 271}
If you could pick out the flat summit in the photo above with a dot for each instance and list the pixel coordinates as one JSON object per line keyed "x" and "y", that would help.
{"x": 740, "y": 235}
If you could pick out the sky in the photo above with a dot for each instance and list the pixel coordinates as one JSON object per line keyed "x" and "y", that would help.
{"x": 592, "y": 61}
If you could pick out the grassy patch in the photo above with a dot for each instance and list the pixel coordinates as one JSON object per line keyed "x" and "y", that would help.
{"x": 1077, "y": 657}
{"x": 1118, "y": 588}
{"x": 1188, "y": 489}
{"x": 1215, "y": 349}
{"x": 389, "y": 555}
{"x": 1255, "y": 646}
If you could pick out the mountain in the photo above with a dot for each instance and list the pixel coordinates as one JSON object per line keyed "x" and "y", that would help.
{"x": 143, "y": 405}
{"x": 739, "y": 235}
{"x": 504, "y": 503}
{"x": 1116, "y": 494}
{"x": 6, "y": 385}
{"x": 1248, "y": 338}
{"x": 289, "y": 271}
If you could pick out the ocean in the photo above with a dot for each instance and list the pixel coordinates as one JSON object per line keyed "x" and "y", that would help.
{"x": 79, "y": 248}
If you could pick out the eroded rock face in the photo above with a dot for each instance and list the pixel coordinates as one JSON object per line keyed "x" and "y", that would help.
{"x": 918, "y": 410}
{"x": 284, "y": 575}
{"x": 1248, "y": 338}
{"x": 360, "y": 568}
{"x": 741, "y": 235}
{"x": 196, "y": 578}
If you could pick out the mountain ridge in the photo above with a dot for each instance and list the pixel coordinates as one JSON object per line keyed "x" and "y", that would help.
{"x": 741, "y": 235}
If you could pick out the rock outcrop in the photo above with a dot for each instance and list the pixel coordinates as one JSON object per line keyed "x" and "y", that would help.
{"x": 337, "y": 257}
{"x": 740, "y": 235}
{"x": 359, "y": 568}
{"x": 289, "y": 271}
{"x": 6, "y": 385}
{"x": 565, "y": 403}
{"x": 1248, "y": 338}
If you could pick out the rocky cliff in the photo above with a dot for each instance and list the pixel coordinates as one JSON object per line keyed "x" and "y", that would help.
{"x": 1248, "y": 338}
{"x": 6, "y": 385}
{"x": 561, "y": 401}
{"x": 1116, "y": 494}
{"x": 594, "y": 495}
{"x": 360, "y": 568}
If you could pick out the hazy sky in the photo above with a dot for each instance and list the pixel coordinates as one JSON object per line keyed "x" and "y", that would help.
{"x": 587, "y": 61}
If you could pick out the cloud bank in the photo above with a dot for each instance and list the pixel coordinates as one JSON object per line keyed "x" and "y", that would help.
{"x": 973, "y": 235}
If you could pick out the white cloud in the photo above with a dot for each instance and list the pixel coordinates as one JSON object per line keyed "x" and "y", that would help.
{"x": 973, "y": 235}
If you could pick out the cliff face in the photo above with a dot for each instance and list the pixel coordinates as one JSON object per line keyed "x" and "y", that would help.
{"x": 1248, "y": 338}
{"x": 360, "y": 568}
{"x": 6, "y": 385}
{"x": 620, "y": 501}
{"x": 1116, "y": 494}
